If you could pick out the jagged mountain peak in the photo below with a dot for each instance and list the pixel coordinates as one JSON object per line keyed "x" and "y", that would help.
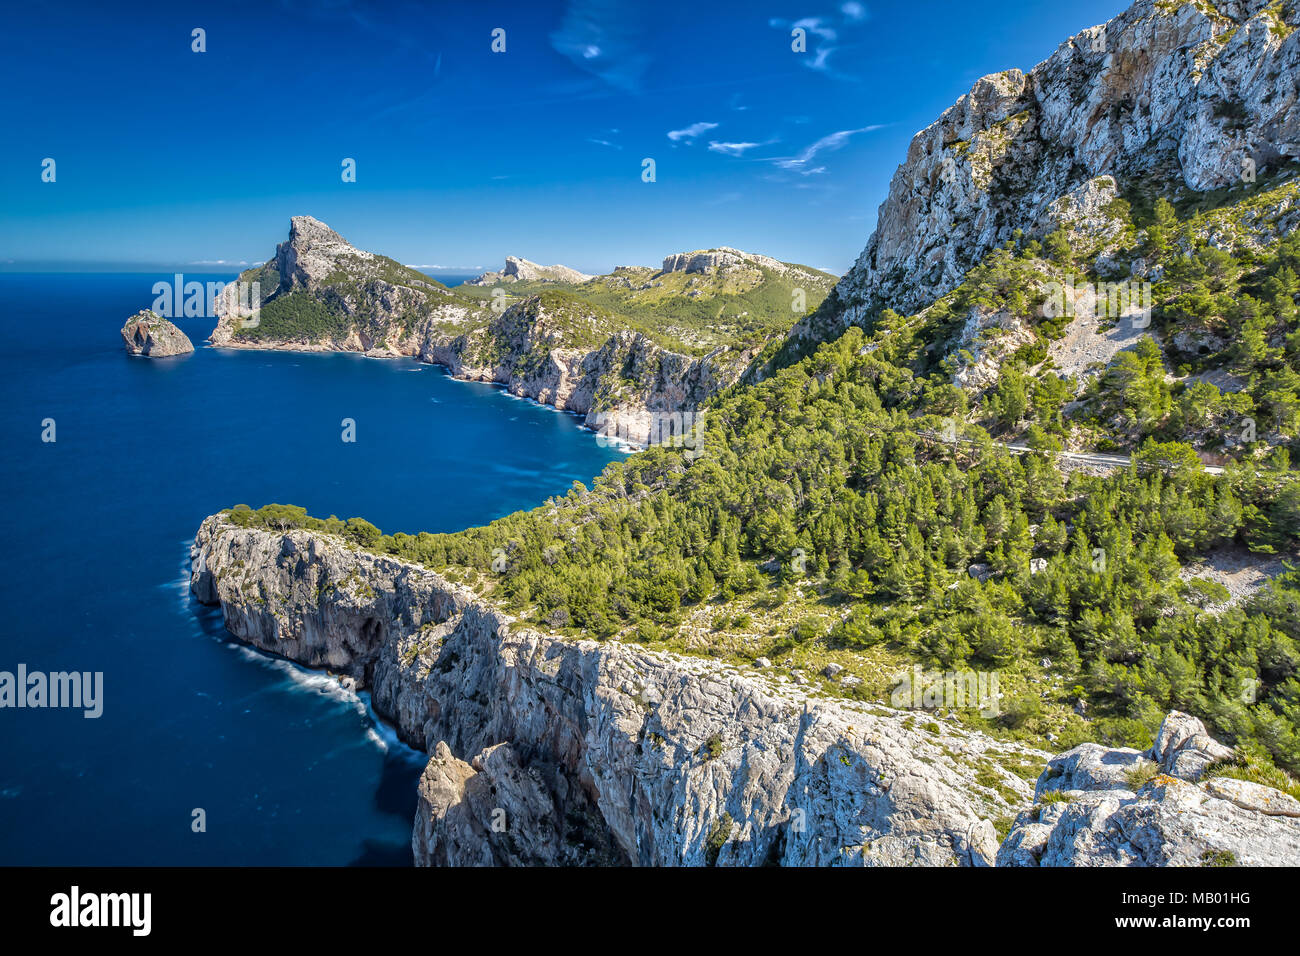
{"x": 1183, "y": 94}
{"x": 309, "y": 228}
{"x": 312, "y": 253}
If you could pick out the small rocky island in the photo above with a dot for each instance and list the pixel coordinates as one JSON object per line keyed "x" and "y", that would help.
{"x": 148, "y": 333}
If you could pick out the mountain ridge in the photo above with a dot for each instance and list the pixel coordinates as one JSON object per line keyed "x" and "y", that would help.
{"x": 1164, "y": 91}
{"x": 320, "y": 293}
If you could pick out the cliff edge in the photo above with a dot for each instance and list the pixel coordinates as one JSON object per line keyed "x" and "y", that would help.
{"x": 607, "y": 753}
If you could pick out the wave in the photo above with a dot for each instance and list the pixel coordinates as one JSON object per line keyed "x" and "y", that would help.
{"x": 304, "y": 680}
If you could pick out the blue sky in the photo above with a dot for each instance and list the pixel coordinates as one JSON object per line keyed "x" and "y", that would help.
{"x": 167, "y": 156}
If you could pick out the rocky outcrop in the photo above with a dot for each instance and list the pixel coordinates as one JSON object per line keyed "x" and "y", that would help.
{"x": 312, "y": 253}
{"x": 1172, "y": 94}
{"x": 552, "y": 751}
{"x": 705, "y": 261}
{"x": 148, "y": 333}
{"x": 522, "y": 270}
{"x": 1097, "y": 806}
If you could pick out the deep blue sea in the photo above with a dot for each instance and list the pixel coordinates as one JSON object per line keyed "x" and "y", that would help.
{"x": 96, "y": 529}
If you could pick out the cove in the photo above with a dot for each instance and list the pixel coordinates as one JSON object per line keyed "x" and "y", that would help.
{"x": 288, "y": 767}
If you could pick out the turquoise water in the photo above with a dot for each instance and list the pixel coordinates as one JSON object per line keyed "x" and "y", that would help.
{"x": 96, "y": 528}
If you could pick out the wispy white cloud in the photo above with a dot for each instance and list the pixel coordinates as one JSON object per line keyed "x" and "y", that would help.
{"x": 818, "y": 28}
{"x": 854, "y": 11}
{"x": 823, "y": 34}
{"x": 800, "y": 162}
{"x": 821, "y": 59}
{"x": 602, "y": 37}
{"x": 731, "y": 149}
{"x": 690, "y": 133}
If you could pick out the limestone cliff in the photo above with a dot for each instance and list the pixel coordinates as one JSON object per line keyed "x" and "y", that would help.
{"x": 1164, "y": 96}
{"x": 551, "y": 751}
{"x": 547, "y": 751}
{"x": 618, "y": 385}
{"x": 725, "y": 258}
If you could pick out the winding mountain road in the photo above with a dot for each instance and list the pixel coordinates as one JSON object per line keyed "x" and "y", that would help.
{"x": 1097, "y": 459}
{"x": 1093, "y": 459}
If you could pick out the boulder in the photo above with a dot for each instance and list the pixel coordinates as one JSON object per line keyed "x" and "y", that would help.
{"x": 1098, "y": 806}
{"x": 1184, "y": 749}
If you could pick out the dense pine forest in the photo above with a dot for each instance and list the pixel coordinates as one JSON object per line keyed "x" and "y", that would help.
{"x": 860, "y": 507}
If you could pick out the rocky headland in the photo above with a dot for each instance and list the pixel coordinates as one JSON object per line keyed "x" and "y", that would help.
{"x": 545, "y": 750}
{"x": 319, "y": 293}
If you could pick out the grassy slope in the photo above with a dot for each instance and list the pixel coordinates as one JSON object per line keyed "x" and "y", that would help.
{"x": 739, "y": 308}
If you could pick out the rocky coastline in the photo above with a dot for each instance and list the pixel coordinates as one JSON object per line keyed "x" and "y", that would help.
{"x": 551, "y": 751}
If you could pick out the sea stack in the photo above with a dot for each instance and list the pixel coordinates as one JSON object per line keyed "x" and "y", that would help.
{"x": 148, "y": 333}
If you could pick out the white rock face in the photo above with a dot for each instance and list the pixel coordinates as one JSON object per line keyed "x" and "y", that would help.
{"x": 707, "y": 260}
{"x": 604, "y": 752}
{"x": 311, "y": 253}
{"x": 624, "y": 387}
{"x": 1096, "y": 818}
{"x": 1083, "y": 209}
{"x": 723, "y": 258}
{"x": 522, "y": 270}
{"x": 988, "y": 337}
{"x": 1175, "y": 93}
